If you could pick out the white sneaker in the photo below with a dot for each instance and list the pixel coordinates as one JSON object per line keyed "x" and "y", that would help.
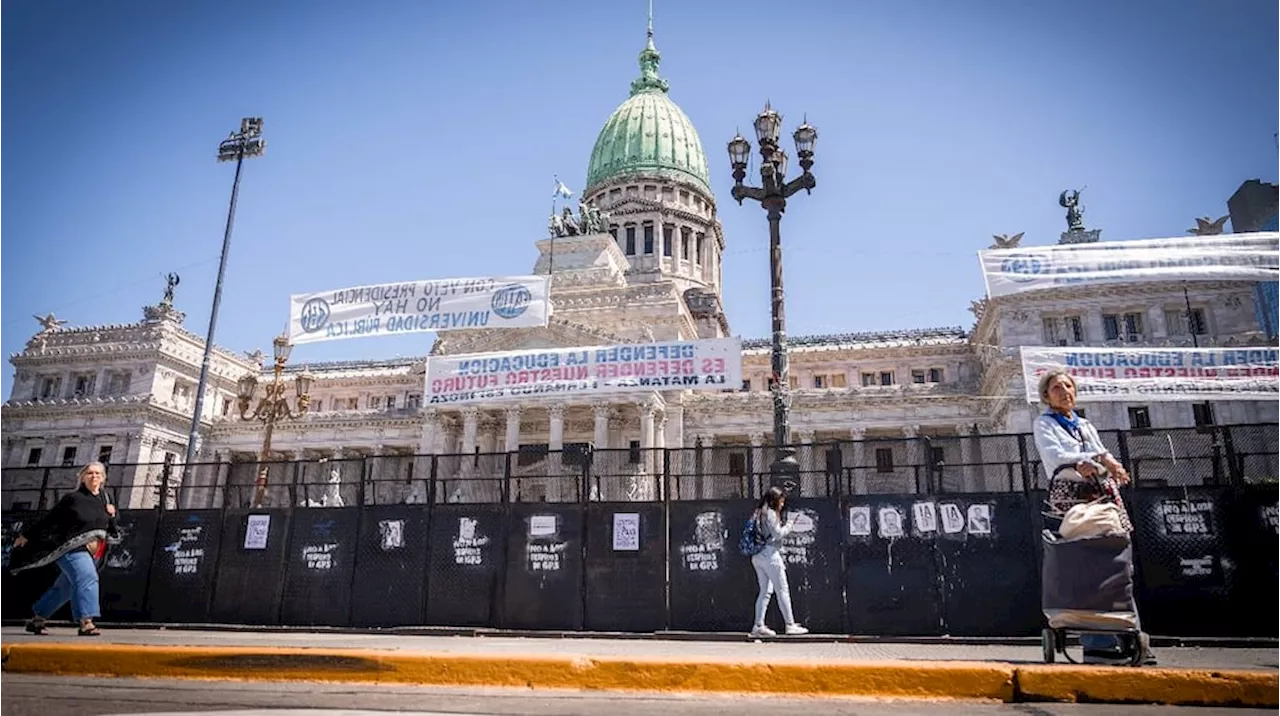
{"x": 762, "y": 631}
{"x": 795, "y": 630}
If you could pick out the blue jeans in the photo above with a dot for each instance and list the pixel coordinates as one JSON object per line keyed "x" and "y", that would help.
{"x": 77, "y": 584}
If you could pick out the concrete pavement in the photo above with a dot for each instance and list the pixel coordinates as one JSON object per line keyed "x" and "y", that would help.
{"x": 1009, "y": 673}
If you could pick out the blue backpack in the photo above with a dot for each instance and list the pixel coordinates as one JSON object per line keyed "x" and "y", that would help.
{"x": 752, "y": 539}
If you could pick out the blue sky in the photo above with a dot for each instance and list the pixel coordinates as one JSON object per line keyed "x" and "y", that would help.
{"x": 418, "y": 140}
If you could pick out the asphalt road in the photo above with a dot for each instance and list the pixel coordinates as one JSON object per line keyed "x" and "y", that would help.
{"x": 64, "y": 696}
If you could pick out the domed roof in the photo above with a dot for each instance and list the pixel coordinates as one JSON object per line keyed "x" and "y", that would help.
{"x": 648, "y": 134}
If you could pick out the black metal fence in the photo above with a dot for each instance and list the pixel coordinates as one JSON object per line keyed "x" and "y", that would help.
{"x": 908, "y": 537}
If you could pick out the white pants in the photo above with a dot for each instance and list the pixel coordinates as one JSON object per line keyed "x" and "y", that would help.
{"x": 771, "y": 574}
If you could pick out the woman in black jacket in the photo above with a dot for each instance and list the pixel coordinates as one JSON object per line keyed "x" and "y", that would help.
{"x": 70, "y": 535}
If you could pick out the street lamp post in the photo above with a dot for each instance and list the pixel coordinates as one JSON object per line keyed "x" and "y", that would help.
{"x": 772, "y": 195}
{"x": 245, "y": 144}
{"x": 272, "y": 407}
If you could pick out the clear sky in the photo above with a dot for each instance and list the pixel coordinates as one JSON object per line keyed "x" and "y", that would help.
{"x": 413, "y": 140}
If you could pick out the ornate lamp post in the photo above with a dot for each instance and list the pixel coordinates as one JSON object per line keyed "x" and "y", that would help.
{"x": 772, "y": 195}
{"x": 273, "y": 406}
{"x": 245, "y": 144}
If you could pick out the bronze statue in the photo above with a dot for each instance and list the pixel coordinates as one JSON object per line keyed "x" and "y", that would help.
{"x": 170, "y": 281}
{"x": 1070, "y": 200}
{"x": 1005, "y": 241}
{"x": 49, "y": 323}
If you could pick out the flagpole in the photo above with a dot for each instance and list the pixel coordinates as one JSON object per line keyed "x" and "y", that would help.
{"x": 551, "y": 259}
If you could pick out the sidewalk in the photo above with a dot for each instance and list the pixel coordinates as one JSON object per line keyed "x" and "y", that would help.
{"x": 1187, "y": 675}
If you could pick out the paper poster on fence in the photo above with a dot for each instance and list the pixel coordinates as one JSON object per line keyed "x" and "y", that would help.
{"x": 1230, "y": 257}
{"x": 418, "y": 306}
{"x": 713, "y": 364}
{"x": 1158, "y": 374}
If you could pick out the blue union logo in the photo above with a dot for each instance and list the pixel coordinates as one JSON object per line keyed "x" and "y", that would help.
{"x": 1023, "y": 268}
{"x": 511, "y": 301}
{"x": 315, "y": 314}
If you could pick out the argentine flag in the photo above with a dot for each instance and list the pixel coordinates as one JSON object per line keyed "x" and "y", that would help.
{"x": 561, "y": 190}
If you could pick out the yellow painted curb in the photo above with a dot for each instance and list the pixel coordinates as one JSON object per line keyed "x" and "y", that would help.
{"x": 1188, "y": 687}
{"x": 898, "y": 679}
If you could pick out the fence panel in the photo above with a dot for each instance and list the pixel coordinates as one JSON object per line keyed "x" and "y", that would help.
{"x": 251, "y": 567}
{"x": 1252, "y": 539}
{"x": 467, "y": 561}
{"x": 183, "y": 566}
{"x": 624, "y": 476}
{"x": 986, "y": 557}
{"x": 543, "y": 587}
{"x": 626, "y": 584}
{"x": 390, "y": 583}
{"x": 22, "y": 590}
{"x": 1184, "y": 566}
{"x": 713, "y": 587}
{"x": 321, "y": 560}
{"x": 126, "y": 566}
{"x": 891, "y": 571}
{"x": 812, "y": 553}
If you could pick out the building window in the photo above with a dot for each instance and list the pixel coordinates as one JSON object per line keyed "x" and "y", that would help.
{"x": 615, "y": 196}
{"x": 181, "y": 392}
{"x": 391, "y": 402}
{"x": 1139, "y": 418}
{"x": 375, "y": 401}
{"x": 1180, "y": 324}
{"x": 937, "y": 455}
{"x": 33, "y": 457}
{"x": 837, "y": 380}
{"x": 746, "y": 386}
{"x": 884, "y": 459}
{"x": 49, "y": 387}
{"x": 737, "y": 464}
{"x": 668, "y": 232}
{"x": 1203, "y": 413}
{"x": 793, "y": 382}
{"x": 698, "y": 244}
{"x": 631, "y": 240}
{"x": 648, "y": 239}
{"x": 83, "y": 386}
{"x": 886, "y": 377}
{"x": 1125, "y": 327}
{"x": 226, "y": 407}
{"x": 651, "y": 192}
{"x": 316, "y": 405}
{"x": 668, "y": 194}
{"x": 413, "y": 401}
{"x": 935, "y": 375}
{"x": 104, "y": 454}
{"x": 633, "y": 452}
{"x": 68, "y": 456}
{"x": 918, "y": 377}
{"x": 118, "y": 383}
{"x": 613, "y": 231}
{"x": 684, "y": 198}
{"x": 868, "y": 379}
{"x": 1064, "y": 330}
{"x": 820, "y": 381}
{"x": 686, "y": 238}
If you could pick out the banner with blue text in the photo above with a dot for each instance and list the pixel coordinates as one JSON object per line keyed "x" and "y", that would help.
{"x": 419, "y": 306}
{"x": 1158, "y": 374}
{"x": 1229, "y": 257}
{"x": 714, "y": 364}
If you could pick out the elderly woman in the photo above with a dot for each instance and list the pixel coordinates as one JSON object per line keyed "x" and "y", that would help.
{"x": 1080, "y": 469}
{"x": 71, "y": 535}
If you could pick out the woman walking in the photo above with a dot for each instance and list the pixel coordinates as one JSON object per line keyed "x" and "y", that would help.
{"x": 70, "y": 535}
{"x": 771, "y": 571}
{"x": 1080, "y": 469}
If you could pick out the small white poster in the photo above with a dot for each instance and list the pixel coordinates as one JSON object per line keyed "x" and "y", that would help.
{"x": 466, "y": 528}
{"x": 860, "y": 521}
{"x": 952, "y": 518}
{"x": 890, "y": 523}
{"x": 542, "y": 525}
{"x": 926, "y": 516}
{"x": 391, "y": 534}
{"x": 800, "y": 522}
{"x": 255, "y": 534}
{"x": 626, "y": 532}
{"x": 979, "y": 519}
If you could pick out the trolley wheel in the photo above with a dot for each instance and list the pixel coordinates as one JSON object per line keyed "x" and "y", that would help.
{"x": 1047, "y": 645}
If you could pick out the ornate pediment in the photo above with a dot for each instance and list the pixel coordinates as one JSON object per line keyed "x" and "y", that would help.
{"x": 558, "y": 334}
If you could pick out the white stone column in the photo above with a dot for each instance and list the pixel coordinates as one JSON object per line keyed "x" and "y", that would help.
{"x": 647, "y": 415}
{"x": 911, "y": 432}
{"x": 758, "y": 464}
{"x": 675, "y": 426}
{"x": 858, "y": 455}
{"x": 706, "y": 488}
{"x": 1093, "y": 332}
{"x": 429, "y": 441}
{"x": 600, "y": 436}
{"x": 555, "y": 447}
{"x": 973, "y": 477}
{"x": 470, "y": 427}
{"x": 513, "y": 429}
{"x": 809, "y": 481}
{"x": 1157, "y": 330}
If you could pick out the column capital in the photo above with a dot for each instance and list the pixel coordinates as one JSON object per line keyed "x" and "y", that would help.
{"x": 556, "y": 411}
{"x": 470, "y": 413}
{"x": 648, "y": 408}
{"x": 857, "y": 432}
{"x": 513, "y": 413}
{"x": 803, "y": 436}
{"x": 602, "y": 411}
{"x": 965, "y": 429}
{"x": 661, "y": 420}
{"x": 431, "y": 416}
{"x": 911, "y": 431}
{"x": 757, "y": 440}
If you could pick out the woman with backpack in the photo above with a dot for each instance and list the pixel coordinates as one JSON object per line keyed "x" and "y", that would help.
{"x": 771, "y": 571}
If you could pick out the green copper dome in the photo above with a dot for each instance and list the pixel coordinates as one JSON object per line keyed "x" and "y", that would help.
{"x": 648, "y": 134}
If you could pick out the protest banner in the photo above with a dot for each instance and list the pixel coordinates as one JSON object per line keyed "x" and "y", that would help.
{"x": 1232, "y": 257}
{"x": 1158, "y": 374}
{"x": 713, "y": 364}
{"x": 418, "y": 306}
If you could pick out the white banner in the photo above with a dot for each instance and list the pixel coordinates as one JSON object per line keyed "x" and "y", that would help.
{"x": 714, "y": 364}
{"x": 1142, "y": 375}
{"x": 1233, "y": 257}
{"x": 417, "y": 306}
